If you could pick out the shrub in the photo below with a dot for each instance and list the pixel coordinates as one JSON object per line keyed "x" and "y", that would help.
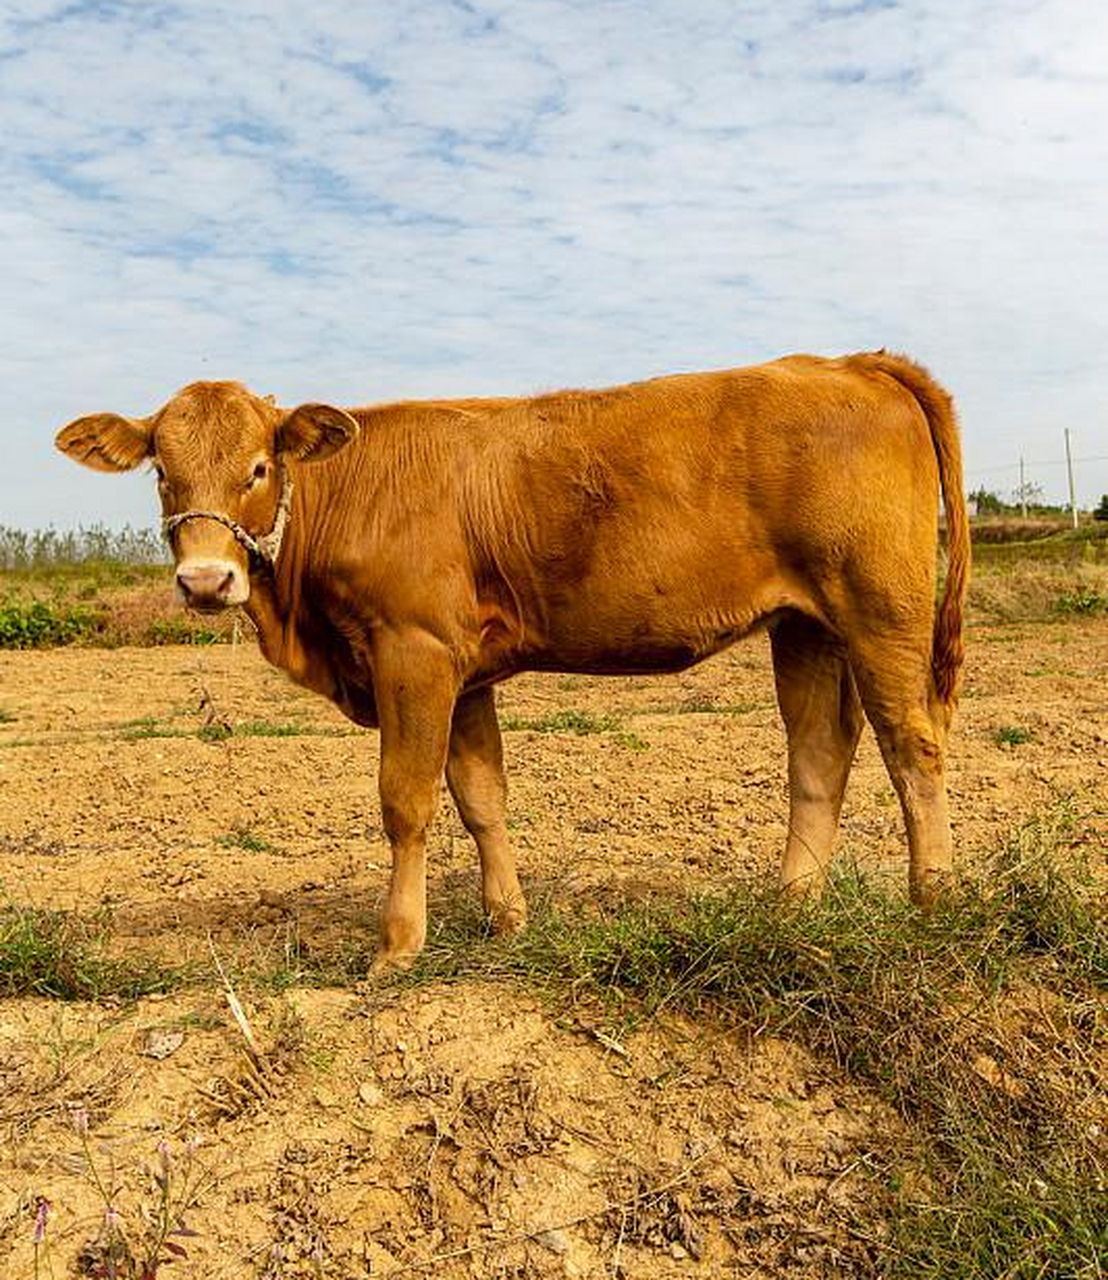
{"x": 36, "y": 624}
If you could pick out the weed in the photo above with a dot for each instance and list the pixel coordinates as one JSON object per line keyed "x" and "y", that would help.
{"x": 1084, "y": 602}
{"x": 266, "y": 1062}
{"x": 570, "y": 721}
{"x": 121, "y": 1250}
{"x": 149, "y": 727}
{"x": 1012, "y": 735}
{"x": 214, "y": 732}
{"x": 55, "y": 953}
{"x": 241, "y": 837}
{"x": 269, "y": 729}
{"x": 178, "y": 630}
{"x": 38, "y": 625}
{"x": 697, "y": 704}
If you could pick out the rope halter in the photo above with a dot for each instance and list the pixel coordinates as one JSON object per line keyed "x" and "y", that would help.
{"x": 264, "y": 549}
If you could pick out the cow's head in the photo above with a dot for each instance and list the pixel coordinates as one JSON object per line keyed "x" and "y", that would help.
{"x": 220, "y": 456}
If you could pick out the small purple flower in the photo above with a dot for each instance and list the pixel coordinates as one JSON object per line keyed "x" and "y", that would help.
{"x": 161, "y": 1174}
{"x": 42, "y": 1214}
{"x": 79, "y": 1119}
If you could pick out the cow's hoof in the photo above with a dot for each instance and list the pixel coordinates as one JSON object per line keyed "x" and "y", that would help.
{"x": 803, "y": 889}
{"x": 506, "y": 918}
{"x": 387, "y": 963}
{"x": 929, "y": 889}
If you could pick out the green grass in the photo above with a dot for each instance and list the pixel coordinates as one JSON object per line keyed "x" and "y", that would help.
{"x": 272, "y": 729}
{"x": 149, "y": 727}
{"x": 62, "y": 955}
{"x": 1012, "y": 735}
{"x": 569, "y": 721}
{"x": 180, "y": 630}
{"x": 241, "y": 837}
{"x": 7, "y": 717}
{"x": 1084, "y": 602}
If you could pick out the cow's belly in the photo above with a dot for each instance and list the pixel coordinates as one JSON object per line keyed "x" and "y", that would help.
{"x": 609, "y": 634}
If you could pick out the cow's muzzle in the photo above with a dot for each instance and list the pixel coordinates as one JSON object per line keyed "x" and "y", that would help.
{"x": 211, "y": 585}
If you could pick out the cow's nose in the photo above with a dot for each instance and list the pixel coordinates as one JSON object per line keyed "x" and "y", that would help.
{"x": 206, "y": 586}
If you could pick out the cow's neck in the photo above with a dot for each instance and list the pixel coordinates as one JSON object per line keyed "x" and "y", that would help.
{"x": 276, "y": 598}
{"x": 291, "y": 609}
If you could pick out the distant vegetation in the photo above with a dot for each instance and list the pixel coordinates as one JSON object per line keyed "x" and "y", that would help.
{"x": 56, "y": 549}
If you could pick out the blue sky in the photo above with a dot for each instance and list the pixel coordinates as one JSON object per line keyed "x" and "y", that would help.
{"x": 355, "y": 201}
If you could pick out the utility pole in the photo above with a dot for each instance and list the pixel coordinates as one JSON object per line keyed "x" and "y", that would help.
{"x": 1069, "y": 470}
{"x": 1023, "y": 491}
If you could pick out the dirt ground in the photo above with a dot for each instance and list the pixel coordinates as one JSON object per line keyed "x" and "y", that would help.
{"x": 463, "y": 1130}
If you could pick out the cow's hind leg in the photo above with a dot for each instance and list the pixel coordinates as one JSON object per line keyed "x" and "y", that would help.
{"x": 823, "y": 721}
{"x": 893, "y": 671}
{"x": 475, "y": 774}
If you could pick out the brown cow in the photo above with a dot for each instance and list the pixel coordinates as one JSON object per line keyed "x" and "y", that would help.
{"x": 402, "y": 559}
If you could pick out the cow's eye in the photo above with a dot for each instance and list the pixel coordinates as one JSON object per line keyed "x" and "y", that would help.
{"x": 260, "y": 472}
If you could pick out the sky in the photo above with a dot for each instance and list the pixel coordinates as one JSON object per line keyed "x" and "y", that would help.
{"x": 362, "y": 200}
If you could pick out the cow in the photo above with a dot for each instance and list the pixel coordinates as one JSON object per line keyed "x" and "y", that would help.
{"x": 403, "y": 559}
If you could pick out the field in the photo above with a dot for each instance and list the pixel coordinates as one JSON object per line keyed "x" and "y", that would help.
{"x": 669, "y": 1074}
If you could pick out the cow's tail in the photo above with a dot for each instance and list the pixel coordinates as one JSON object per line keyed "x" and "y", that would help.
{"x": 947, "y": 647}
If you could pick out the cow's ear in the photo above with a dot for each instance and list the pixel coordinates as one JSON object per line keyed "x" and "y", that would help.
{"x": 313, "y": 432}
{"x": 107, "y": 441}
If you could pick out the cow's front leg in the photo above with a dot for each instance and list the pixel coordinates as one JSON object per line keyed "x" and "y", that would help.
{"x": 475, "y": 773}
{"x": 415, "y": 687}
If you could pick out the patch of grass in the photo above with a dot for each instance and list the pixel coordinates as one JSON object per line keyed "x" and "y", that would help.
{"x": 1022, "y": 589}
{"x": 241, "y": 837}
{"x": 1085, "y": 602}
{"x": 216, "y": 731}
{"x": 270, "y": 729}
{"x": 220, "y": 731}
{"x": 180, "y": 630}
{"x": 7, "y": 717}
{"x": 569, "y": 721}
{"x": 58, "y": 954}
{"x": 697, "y": 705}
{"x": 149, "y": 727}
{"x": 1012, "y": 735}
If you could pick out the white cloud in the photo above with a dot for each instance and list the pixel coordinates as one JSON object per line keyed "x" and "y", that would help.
{"x": 352, "y": 201}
